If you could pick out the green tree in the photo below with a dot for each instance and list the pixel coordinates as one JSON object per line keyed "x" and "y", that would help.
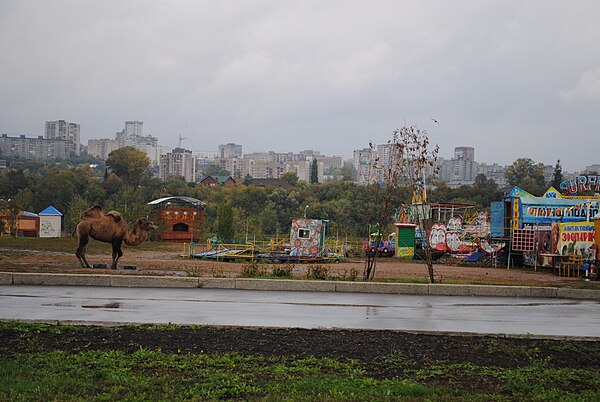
{"x": 55, "y": 188}
{"x": 214, "y": 170}
{"x": 129, "y": 164}
{"x": 526, "y": 174}
{"x": 557, "y": 176}
{"x": 314, "y": 171}
{"x": 74, "y": 213}
{"x": 225, "y": 227}
{"x": 132, "y": 202}
{"x": 291, "y": 178}
{"x": 347, "y": 172}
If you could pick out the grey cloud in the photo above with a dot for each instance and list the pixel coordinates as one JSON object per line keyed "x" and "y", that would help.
{"x": 507, "y": 77}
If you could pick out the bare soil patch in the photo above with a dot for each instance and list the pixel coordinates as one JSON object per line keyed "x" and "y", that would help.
{"x": 168, "y": 259}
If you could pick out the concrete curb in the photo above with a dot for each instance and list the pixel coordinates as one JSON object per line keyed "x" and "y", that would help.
{"x": 13, "y": 278}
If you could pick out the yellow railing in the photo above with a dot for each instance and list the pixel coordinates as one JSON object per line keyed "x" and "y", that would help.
{"x": 340, "y": 249}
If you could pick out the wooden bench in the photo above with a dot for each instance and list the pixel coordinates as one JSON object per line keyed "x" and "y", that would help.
{"x": 573, "y": 262}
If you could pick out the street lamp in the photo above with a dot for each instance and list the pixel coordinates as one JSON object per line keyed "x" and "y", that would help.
{"x": 305, "y": 211}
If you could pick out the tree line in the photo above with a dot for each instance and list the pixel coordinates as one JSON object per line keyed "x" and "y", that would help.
{"x": 124, "y": 184}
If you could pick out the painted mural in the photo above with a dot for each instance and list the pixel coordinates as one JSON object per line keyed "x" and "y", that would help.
{"x": 461, "y": 236}
{"x": 306, "y": 237}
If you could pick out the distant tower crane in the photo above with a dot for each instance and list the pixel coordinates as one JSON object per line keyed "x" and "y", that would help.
{"x": 181, "y": 139}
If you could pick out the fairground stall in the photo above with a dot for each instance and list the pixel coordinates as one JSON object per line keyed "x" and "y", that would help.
{"x": 552, "y": 230}
{"x": 456, "y": 232}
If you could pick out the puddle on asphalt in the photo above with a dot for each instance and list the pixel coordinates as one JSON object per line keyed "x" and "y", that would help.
{"x": 58, "y": 305}
{"x": 108, "y": 305}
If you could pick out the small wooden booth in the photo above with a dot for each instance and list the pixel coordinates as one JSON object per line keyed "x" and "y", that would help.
{"x": 179, "y": 218}
{"x": 50, "y": 222}
{"x": 23, "y": 224}
{"x": 307, "y": 238}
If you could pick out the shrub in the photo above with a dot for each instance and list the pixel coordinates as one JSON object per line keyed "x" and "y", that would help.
{"x": 252, "y": 269}
{"x": 283, "y": 271}
{"x": 317, "y": 272}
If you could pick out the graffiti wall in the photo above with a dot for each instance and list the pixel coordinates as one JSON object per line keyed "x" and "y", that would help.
{"x": 306, "y": 237}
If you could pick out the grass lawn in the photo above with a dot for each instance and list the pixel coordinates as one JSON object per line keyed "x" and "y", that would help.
{"x": 36, "y": 366}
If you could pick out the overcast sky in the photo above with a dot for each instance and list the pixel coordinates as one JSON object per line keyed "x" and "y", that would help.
{"x": 510, "y": 78}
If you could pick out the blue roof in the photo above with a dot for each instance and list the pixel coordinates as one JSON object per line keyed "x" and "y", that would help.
{"x": 51, "y": 211}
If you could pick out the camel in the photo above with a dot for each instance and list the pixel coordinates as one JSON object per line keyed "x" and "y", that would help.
{"x": 110, "y": 228}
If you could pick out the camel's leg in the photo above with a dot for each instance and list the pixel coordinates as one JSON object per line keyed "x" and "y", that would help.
{"x": 80, "y": 252}
{"x": 116, "y": 254}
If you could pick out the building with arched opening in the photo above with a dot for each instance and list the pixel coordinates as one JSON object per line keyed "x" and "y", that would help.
{"x": 179, "y": 218}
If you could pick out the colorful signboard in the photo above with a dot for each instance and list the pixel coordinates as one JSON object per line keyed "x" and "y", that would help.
{"x": 581, "y": 183}
{"x": 548, "y": 210}
{"x": 573, "y": 238}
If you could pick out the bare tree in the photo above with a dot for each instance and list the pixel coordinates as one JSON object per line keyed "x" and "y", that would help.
{"x": 405, "y": 160}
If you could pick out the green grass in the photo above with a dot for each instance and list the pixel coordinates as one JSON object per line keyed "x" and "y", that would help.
{"x": 154, "y": 375}
{"x": 146, "y": 374}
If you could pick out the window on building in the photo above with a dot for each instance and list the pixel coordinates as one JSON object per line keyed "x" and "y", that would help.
{"x": 303, "y": 234}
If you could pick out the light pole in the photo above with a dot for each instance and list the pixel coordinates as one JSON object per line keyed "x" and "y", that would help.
{"x": 305, "y": 208}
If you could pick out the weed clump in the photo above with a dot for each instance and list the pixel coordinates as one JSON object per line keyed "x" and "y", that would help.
{"x": 317, "y": 272}
{"x": 282, "y": 271}
{"x": 252, "y": 270}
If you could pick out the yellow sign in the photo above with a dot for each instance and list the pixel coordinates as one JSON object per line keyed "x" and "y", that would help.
{"x": 515, "y": 217}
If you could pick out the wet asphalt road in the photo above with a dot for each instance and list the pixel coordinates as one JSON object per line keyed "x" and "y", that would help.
{"x": 498, "y": 315}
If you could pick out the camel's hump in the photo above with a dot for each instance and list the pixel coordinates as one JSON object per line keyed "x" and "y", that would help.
{"x": 94, "y": 212}
{"x": 115, "y": 215}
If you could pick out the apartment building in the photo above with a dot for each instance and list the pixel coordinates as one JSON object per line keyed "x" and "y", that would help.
{"x": 178, "y": 162}
{"x": 63, "y": 130}
{"x": 102, "y": 147}
{"x": 39, "y": 148}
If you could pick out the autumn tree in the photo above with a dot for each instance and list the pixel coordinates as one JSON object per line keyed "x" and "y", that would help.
{"x": 409, "y": 162}
{"x": 129, "y": 164}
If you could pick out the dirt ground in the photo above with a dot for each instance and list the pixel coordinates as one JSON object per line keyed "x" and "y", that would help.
{"x": 167, "y": 259}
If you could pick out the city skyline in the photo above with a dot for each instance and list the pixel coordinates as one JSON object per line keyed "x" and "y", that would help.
{"x": 511, "y": 79}
{"x": 132, "y": 135}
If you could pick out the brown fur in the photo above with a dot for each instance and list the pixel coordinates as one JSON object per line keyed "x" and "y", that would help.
{"x": 109, "y": 228}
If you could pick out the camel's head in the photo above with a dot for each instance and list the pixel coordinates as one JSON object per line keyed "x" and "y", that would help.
{"x": 145, "y": 224}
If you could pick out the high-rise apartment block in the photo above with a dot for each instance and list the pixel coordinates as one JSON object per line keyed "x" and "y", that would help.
{"x": 63, "y": 130}
{"x": 362, "y": 161}
{"x": 464, "y": 167}
{"x": 230, "y": 151}
{"x": 178, "y": 162}
{"x": 128, "y": 136}
{"x": 102, "y": 147}
{"x": 39, "y": 149}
